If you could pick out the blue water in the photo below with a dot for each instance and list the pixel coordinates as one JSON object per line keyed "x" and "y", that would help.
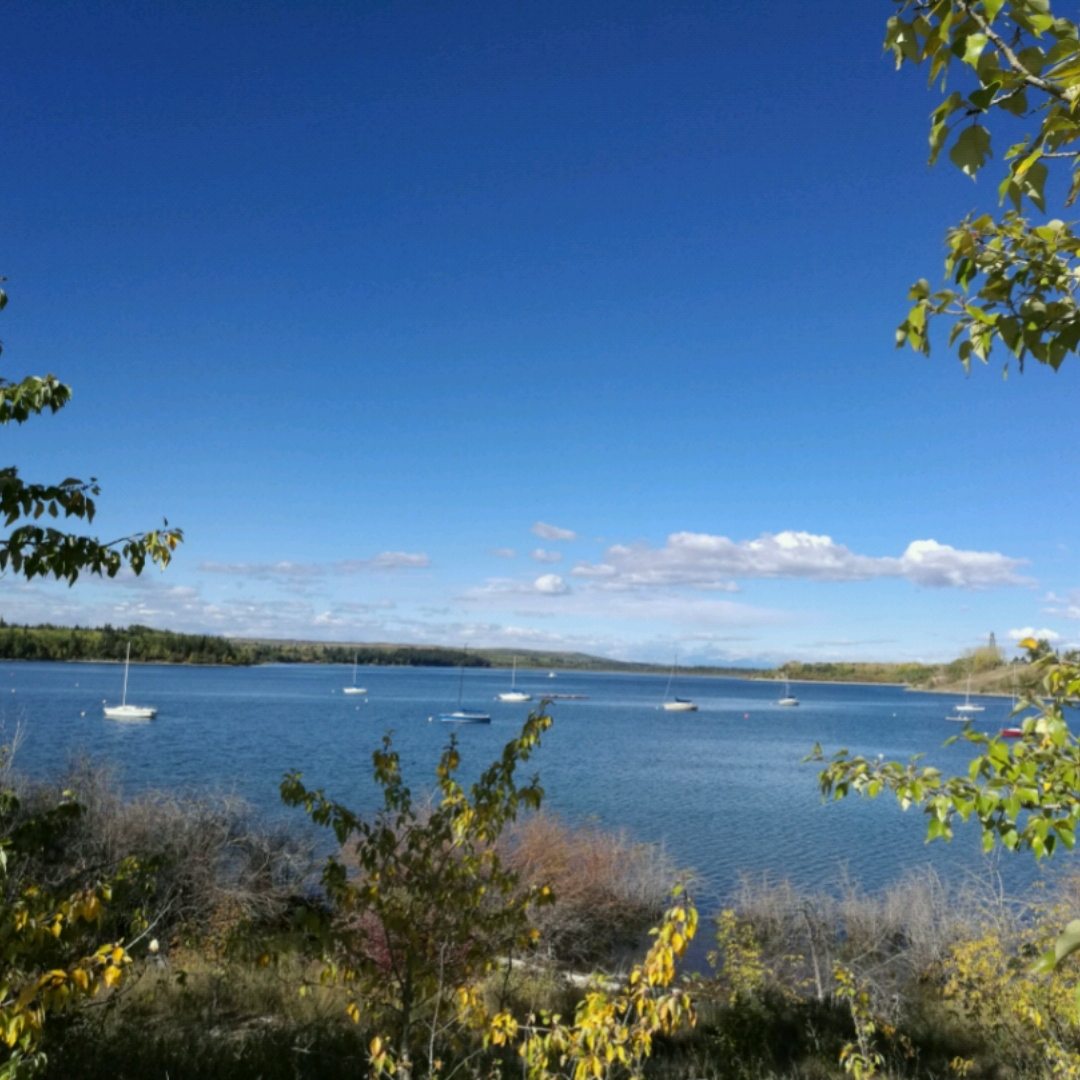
{"x": 723, "y": 789}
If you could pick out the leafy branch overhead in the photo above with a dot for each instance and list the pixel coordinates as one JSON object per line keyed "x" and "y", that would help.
{"x": 32, "y": 550}
{"x": 1010, "y": 282}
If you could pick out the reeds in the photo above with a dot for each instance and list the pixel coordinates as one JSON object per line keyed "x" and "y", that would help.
{"x": 608, "y": 889}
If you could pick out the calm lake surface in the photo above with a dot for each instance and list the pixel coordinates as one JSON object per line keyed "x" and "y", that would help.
{"x": 723, "y": 788}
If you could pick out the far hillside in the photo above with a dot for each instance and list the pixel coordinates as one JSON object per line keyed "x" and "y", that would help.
{"x": 987, "y": 668}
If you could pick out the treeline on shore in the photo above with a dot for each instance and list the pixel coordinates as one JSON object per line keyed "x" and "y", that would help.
{"x": 987, "y": 666}
{"x": 149, "y": 646}
{"x": 837, "y": 671}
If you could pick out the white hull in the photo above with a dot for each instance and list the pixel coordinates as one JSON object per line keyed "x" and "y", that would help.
{"x": 971, "y": 708}
{"x": 679, "y": 706}
{"x": 355, "y": 690}
{"x": 124, "y": 711}
{"x": 461, "y": 717}
{"x": 515, "y": 695}
{"x": 130, "y": 712}
{"x": 788, "y": 701}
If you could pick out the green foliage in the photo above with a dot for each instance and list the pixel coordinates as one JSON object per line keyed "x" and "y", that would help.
{"x": 48, "y": 961}
{"x": 1011, "y": 282}
{"x": 47, "y": 642}
{"x": 422, "y": 903}
{"x": 1022, "y": 792}
{"x": 613, "y": 1029}
{"x": 31, "y": 550}
{"x": 840, "y": 671}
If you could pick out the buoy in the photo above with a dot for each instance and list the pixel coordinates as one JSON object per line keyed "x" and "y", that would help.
{"x": 746, "y": 716}
{"x": 82, "y": 714}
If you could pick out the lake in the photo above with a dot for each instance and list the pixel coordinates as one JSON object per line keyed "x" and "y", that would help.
{"x": 723, "y": 789}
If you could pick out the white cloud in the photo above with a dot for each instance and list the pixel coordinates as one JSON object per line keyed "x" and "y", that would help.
{"x": 938, "y": 566}
{"x": 551, "y": 585}
{"x": 1066, "y": 607}
{"x": 503, "y": 553}
{"x": 702, "y": 561}
{"x": 625, "y": 607}
{"x": 1031, "y": 632}
{"x": 290, "y": 571}
{"x": 399, "y": 560}
{"x": 552, "y": 532}
{"x": 540, "y": 555}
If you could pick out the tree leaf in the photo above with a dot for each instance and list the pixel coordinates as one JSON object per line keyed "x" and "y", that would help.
{"x": 971, "y": 150}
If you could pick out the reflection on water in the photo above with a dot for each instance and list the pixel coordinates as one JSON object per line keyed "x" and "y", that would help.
{"x": 723, "y": 788}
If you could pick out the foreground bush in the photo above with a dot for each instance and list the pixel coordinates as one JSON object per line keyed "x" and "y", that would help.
{"x": 207, "y": 865}
{"x": 51, "y": 954}
{"x": 607, "y": 890}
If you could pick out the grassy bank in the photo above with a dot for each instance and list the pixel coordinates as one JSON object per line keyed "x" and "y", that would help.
{"x": 926, "y": 979}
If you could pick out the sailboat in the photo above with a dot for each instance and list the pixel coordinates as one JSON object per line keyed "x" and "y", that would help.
{"x": 677, "y": 704}
{"x": 514, "y": 694}
{"x": 967, "y": 706}
{"x": 1014, "y": 730}
{"x": 354, "y": 689}
{"x": 124, "y": 711}
{"x": 460, "y": 715}
{"x": 788, "y": 698}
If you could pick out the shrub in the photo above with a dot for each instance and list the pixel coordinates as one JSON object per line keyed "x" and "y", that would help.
{"x": 608, "y": 890}
{"x": 207, "y": 866}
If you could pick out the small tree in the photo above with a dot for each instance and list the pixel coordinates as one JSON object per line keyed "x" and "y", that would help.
{"x": 422, "y": 904}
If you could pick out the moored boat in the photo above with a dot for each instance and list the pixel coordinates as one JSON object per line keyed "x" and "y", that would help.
{"x": 124, "y": 711}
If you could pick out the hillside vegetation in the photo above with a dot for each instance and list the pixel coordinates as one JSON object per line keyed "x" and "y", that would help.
{"x": 47, "y": 642}
{"x": 987, "y": 668}
{"x": 989, "y": 672}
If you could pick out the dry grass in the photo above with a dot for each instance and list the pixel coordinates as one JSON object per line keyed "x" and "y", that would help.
{"x": 608, "y": 889}
{"x": 889, "y": 939}
{"x": 206, "y": 863}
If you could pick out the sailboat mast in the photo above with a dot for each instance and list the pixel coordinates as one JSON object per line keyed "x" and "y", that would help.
{"x": 671, "y": 678}
{"x": 355, "y": 659}
{"x": 461, "y": 680}
{"x": 127, "y": 661}
{"x": 513, "y": 676}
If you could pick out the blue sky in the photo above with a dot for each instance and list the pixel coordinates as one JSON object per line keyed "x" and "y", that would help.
{"x": 366, "y": 297}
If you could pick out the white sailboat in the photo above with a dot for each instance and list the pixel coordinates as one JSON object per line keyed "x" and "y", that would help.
{"x": 513, "y": 694}
{"x": 967, "y": 707}
{"x": 677, "y": 704}
{"x": 789, "y": 698}
{"x": 463, "y": 716}
{"x": 354, "y": 689}
{"x": 124, "y": 711}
